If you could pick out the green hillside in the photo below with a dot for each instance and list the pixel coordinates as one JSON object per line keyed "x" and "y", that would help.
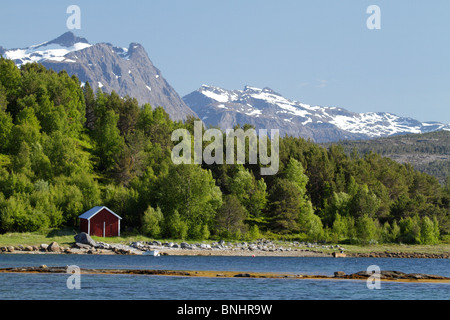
{"x": 65, "y": 149}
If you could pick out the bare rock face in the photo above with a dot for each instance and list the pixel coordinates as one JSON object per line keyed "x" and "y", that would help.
{"x": 127, "y": 72}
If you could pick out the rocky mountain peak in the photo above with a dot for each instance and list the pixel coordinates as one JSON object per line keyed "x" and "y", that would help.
{"x": 250, "y": 89}
{"x": 67, "y": 39}
{"x": 127, "y": 71}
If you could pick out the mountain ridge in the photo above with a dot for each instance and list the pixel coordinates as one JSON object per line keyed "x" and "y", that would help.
{"x": 127, "y": 71}
{"x": 265, "y": 108}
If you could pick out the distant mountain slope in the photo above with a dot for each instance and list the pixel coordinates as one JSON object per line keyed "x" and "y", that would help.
{"x": 429, "y": 152}
{"x": 128, "y": 71}
{"x": 267, "y": 109}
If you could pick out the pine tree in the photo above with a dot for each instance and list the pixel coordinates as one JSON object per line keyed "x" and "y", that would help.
{"x": 285, "y": 205}
{"x": 89, "y": 98}
{"x": 230, "y": 217}
{"x": 109, "y": 142}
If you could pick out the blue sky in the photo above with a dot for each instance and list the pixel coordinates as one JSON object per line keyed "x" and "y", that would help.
{"x": 317, "y": 52}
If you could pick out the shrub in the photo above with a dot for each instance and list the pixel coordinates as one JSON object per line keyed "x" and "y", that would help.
{"x": 152, "y": 221}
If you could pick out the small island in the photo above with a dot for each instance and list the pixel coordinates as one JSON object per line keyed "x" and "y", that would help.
{"x": 396, "y": 276}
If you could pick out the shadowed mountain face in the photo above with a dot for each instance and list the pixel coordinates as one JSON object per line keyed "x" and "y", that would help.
{"x": 266, "y": 109}
{"x": 128, "y": 71}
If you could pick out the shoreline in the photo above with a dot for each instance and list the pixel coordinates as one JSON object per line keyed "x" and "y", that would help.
{"x": 260, "y": 248}
{"x": 236, "y": 253}
{"x": 267, "y": 249}
{"x": 242, "y": 253}
{"x": 180, "y": 252}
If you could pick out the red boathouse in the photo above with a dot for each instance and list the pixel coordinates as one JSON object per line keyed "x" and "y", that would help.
{"x": 100, "y": 222}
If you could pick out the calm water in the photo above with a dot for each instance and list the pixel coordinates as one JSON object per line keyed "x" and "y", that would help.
{"x": 105, "y": 287}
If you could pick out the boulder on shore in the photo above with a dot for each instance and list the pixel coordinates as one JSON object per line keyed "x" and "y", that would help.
{"x": 82, "y": 246}
{"x": 339, "y": 255}
{"x": 84, "y": 238}
{"x": 54, "y": 247}
{"x": 339, "y": 274}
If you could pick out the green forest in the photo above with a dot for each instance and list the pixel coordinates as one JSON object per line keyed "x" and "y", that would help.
{"x": 427, "y": 152}
{"x": 65, "y": 149}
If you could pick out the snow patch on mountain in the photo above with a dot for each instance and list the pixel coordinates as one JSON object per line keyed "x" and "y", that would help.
{"x": 218, "y": 94}
{"x": 53, "y": 52}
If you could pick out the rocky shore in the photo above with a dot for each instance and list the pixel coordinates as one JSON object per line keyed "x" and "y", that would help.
{"x": 84, "y": 244}
{"x": 78, "y": 248}
{"x": 183, "y": 249}
{"x": 257, "y": 248}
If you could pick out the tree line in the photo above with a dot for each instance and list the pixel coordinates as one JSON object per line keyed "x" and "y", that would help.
{"x": 65, "y": 149}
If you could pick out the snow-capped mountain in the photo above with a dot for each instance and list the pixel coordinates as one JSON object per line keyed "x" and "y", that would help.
{"x": 54, "y": 50}
{"x": 128, "y": 71}
{"x": 266, "y": 109}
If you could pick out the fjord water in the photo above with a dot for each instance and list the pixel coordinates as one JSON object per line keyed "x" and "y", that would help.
{"x": 134, "y": 287}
